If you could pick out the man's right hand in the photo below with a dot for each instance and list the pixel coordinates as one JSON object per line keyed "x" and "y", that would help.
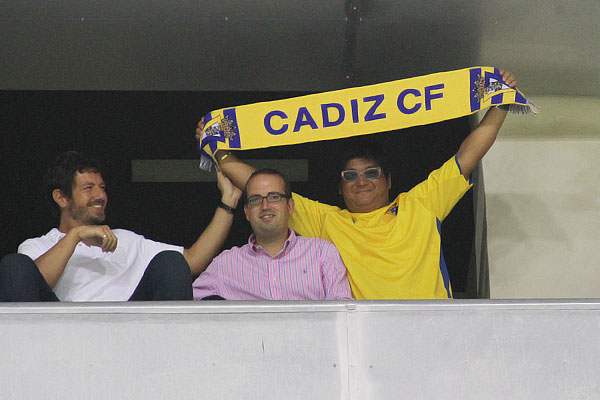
{"x": 97, "y": 235}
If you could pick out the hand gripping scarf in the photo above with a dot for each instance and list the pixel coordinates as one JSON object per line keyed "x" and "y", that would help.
{"x": 358, "y": 111}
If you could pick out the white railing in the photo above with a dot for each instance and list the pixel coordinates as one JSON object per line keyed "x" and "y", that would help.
{"x": 459, "y": 349}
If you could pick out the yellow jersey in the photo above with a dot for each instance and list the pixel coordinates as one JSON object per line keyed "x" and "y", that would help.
{"x": 394, "y": 252}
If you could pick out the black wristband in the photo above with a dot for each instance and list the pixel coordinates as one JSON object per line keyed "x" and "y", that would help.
{"x": 225, "y": 207}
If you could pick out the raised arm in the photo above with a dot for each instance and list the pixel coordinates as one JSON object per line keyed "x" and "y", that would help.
{"x": 211, "y": 240}
{"x": 230, "y": 165}
{"x": 479, "y": 141}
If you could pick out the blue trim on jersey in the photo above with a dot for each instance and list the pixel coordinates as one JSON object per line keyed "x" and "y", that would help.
{"x": 457, "y": 164}
{"x": 460, "y": 168}
{"x": 443, "y": 268}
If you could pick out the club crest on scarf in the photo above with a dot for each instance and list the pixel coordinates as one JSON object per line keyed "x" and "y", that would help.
{"x": 489, "y": 85}
{"x": 223, "y": 126}
{"x": 488, "y": 88}
{"x": 220, "y": 128}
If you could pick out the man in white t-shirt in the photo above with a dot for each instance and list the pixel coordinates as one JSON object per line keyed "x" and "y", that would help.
{"x": 83, "y": 260}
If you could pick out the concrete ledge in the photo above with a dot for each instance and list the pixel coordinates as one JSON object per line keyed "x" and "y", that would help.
{"x": 467, "y": 349}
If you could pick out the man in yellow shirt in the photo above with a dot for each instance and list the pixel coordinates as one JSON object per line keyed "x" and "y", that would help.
{"x": 392, "y": 250}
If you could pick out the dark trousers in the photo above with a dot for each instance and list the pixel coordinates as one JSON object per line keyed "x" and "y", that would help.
{"x": 167, "y": 277}
{"x": 21, "y": 280}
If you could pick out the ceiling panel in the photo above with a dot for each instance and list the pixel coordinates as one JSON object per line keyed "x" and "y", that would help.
{"x": 552, "y": 46}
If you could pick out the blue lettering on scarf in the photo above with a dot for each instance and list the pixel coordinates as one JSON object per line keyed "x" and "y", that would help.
{"x": 304, "y": 117}
{"x": 354, "y": 106}
{"x": 270, "y": 128}
{"x": 430, "y": 96}
{"x": 378, "y": 99}
{"x": 401, "y": 105}
{"x": 325, "y": 111}
{"x": 301, "y": 121}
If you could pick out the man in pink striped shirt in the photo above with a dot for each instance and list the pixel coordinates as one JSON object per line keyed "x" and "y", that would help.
{"x": 276, "y": 264}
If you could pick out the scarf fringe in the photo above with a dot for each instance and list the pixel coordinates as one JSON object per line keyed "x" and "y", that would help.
{"x": 523, "y": 109}
{"x": 206, "y": 163}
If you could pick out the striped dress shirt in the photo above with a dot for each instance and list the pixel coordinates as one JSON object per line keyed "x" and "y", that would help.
{"x": 305, "y": 269}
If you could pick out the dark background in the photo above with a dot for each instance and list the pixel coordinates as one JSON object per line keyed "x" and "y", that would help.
{"x": 117, "y": 127}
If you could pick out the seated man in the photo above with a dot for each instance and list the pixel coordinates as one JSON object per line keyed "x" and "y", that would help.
{"x": 276, "y": 264}
{"x": 83, "y": 260}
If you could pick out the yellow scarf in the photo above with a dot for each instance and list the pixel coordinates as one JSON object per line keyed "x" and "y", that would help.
{"x": 358, "y": 111}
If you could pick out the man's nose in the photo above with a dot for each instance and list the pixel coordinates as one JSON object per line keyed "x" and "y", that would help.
{"x": 99, "y": 193}
{"x": 362, "y": 180}
{"x": 264, "y": 203}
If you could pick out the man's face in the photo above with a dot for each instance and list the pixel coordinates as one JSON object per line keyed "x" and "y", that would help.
{"x": 268, "y": 220}
{"x": 365, "y": 195}
{"x": 88, "y": 200}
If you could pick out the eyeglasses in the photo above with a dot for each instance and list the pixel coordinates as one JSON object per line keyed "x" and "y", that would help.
{"x": 370, "y": 173}
{"x": 272, "y": 197}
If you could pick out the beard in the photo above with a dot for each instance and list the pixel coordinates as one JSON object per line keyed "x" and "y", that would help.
{"x": 87, "y": 215}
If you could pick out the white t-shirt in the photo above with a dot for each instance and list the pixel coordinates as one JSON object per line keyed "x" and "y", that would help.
{"x": 93, "y": 275}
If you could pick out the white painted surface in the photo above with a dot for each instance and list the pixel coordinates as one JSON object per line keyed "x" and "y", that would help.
{"x": 165, "y": 354}
{"x": 542, "y": 184}
{"x": 301, "y": 350}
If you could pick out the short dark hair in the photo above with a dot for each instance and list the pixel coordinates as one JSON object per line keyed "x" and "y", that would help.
{"x": 366, "y": 149}
{"x": 269, "y": 171}
{"x": 61, "y": 174}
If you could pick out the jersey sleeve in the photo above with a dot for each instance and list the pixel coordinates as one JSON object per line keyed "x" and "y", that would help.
{"x": 32, "y": 248}
{"x": 442, "y": 189}
{"x": 308, "y": 216}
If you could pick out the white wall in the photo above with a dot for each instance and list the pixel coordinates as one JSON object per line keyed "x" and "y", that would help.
{"x": 542, "y": 183}
{"x": 379, "y": 350}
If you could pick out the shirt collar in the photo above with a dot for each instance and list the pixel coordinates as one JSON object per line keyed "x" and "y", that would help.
{"x": 289, "y": 242}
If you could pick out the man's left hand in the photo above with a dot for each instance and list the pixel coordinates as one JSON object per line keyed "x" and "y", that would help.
{"x": 508, "y": 77}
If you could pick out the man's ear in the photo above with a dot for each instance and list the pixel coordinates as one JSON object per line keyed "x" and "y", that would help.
{"x": 60, "y": 199}
{"x": 389, "y": 180}
{"x": 246, "y": 212}
{"x": 291, "y": 205}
